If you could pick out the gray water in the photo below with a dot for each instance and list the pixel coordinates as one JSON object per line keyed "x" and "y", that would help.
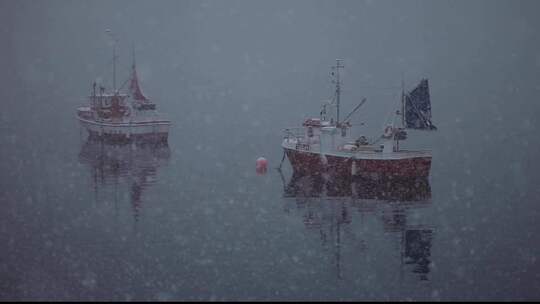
{"x": 193, "y": 220}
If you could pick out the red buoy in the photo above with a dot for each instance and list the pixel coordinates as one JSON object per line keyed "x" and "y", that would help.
{"x": 261, "y": 165}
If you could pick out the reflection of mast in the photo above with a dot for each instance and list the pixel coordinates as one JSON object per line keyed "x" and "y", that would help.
{"x": 95, "y": 184}
{"x": 340, "y": 220}
{"x": 113, "y": 163}
{"x": 338, "y": 252}
{"x": 136, "y": 193}
{"x": 116, "y": 197}
{"x": 388, "y": 197}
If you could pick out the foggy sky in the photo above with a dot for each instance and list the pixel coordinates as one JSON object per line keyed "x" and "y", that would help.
{"x": 256, "y": 67}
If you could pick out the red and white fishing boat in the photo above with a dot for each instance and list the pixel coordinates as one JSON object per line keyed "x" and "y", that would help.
{"x": 121, "y": 117}
{"x": 327, "y": 145}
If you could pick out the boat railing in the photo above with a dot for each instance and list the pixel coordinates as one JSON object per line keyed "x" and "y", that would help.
{"x": 293, "y": 133}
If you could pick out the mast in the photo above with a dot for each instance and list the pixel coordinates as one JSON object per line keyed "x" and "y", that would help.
{"x": 115, "y": 40}
{"x": 114, "y": 67}
{"x": 133, "y": 55}
{"x": 402, "y": 103}
{"x": 94, "y": 106}
{"x": 338, "y": 86}
{"x": 402, "y": 112}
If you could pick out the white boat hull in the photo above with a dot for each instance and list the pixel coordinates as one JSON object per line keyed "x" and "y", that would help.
{"x": 156, "y": 130}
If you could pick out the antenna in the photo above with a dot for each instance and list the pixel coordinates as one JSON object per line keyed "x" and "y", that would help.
{"x": 115, "y": 41}
{"x": 94, "y": 95}
{"x": 338, "y": 85}
{"x": 402, "y": 101}
{"x": 133, "y": 54}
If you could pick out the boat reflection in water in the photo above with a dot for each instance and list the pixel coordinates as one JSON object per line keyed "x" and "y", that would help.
{"x": 116, "y": 164}
{"x": 328, "y": 205}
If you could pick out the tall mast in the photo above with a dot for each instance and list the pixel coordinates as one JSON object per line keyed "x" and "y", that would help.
{"x": 402, "y": 112}
{"x": 114, "y": 67}
{"x": 115, "y": 40}
{"x": 133, "y": 55}
{"x": 338, "y": 86}
{"x": 402, "y": 103}
{"x": 94, "y": 95}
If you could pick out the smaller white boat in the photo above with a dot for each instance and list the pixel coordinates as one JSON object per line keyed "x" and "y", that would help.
{"x": 123, "y": 117}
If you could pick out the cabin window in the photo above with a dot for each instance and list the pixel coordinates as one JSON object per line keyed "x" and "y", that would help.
{"x": 310, "y": 132}
{"x": 343, "y": 132}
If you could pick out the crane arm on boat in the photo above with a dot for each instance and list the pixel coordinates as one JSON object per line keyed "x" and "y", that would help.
{"x": 354, "y": 110}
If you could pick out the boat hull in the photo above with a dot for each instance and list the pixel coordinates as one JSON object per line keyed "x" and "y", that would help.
{"x": 355, "y": 165}
{"x": 147, "y": 131}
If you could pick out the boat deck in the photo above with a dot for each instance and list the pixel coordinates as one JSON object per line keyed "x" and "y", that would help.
{"x": 376, "y": 154}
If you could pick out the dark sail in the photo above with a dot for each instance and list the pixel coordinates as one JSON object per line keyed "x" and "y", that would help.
{"x": 134, "y": 87}
{"x": 418, "y": 108}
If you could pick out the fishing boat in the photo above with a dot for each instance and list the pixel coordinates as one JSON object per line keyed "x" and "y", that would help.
{"x": 326, "y": 143}
{"x": 123, "y": 116}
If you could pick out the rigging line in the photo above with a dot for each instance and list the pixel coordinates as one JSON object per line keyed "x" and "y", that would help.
{"x": 125, "y": 82}
{"x": 106, "y": 67}
{"x": 281, "y": 163}
{"x": 378, "y": 88}
{"x": 355, "y": 109}
{"x": 386, "y": 119}
{"x": 127, "y": 70}
{"x": 377, "y": 140}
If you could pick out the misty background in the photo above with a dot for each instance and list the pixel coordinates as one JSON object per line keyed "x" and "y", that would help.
{"x": 231, "y": 75}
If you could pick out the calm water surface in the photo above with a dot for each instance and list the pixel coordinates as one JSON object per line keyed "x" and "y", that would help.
{"x": 88, "y": 220}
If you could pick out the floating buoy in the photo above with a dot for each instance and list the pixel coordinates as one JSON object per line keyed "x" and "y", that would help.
{"x": 261, "y": 165}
